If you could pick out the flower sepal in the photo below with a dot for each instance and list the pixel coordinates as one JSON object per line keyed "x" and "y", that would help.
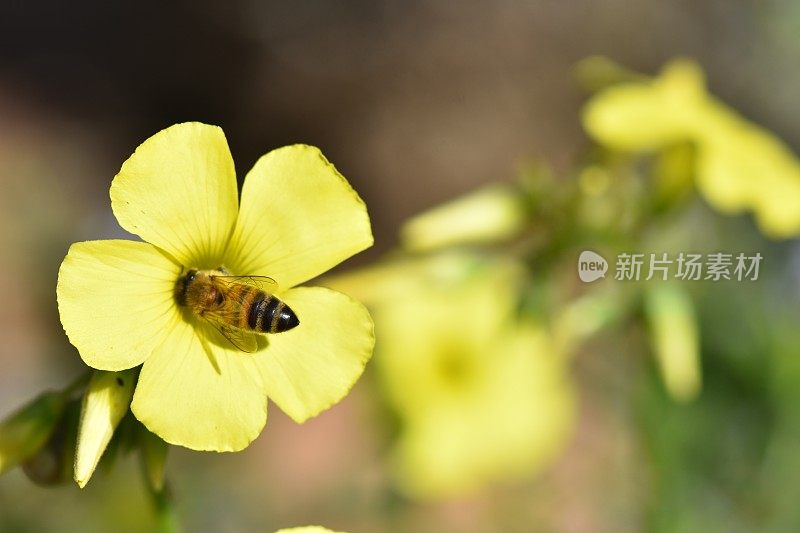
{"x": 27, "y": 430}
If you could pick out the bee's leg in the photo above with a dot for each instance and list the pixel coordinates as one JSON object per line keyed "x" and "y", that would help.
{"x": 224, "y": 270}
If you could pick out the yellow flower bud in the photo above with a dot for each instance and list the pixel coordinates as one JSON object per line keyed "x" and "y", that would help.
{"x": 675, "y": 341}
{"x": 24, "y": 433}
{"x": 106, "y": 401}
{"x": 486, "y": 215}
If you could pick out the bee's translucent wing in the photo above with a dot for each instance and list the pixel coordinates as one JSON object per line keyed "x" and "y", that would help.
{"x": 263, "y": 283}
{"x": 242, "y": 340}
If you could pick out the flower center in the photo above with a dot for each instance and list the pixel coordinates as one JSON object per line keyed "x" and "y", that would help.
{"x": 454, "y": 368}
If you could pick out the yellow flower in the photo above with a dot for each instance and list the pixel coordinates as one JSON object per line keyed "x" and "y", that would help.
{"x": 739, "y": 167}
{"x": 481, "y": 396}
{"x": 298, "y": 218}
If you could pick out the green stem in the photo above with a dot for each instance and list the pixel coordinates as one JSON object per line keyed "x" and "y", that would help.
{"x": 165, "y": 509}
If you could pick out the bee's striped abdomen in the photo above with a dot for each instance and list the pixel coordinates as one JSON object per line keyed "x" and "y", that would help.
{"x": 248, "y": 297}
{"x": 270, "y": 315}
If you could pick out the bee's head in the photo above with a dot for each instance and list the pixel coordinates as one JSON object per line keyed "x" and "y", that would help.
{"x": 182, "y": 285}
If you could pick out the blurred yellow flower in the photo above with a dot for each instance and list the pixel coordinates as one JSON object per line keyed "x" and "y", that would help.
{"x": 743, "y": 167}
{"x": 298, "y": 218}
{"x": 481, "y": 396}
{"x": 739, "y": 167}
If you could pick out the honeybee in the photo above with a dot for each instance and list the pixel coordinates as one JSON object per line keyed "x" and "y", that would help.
{"x": 237, "y": 306}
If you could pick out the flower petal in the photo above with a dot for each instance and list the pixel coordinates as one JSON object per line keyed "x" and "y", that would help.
{"x": 114, "y": 298}
{"x": 299, "y": 217}
{"x": 178, "y": 191}
{"x": 311, "y": 367}
{"x": 199, "y": 394}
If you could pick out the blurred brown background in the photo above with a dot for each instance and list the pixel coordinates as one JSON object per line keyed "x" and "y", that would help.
{"x": 413, "y": 101}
